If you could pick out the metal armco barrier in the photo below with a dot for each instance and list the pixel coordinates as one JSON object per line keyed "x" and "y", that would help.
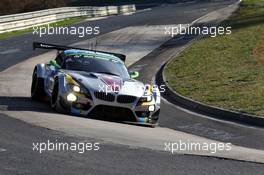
{"x": 26, "y": 20}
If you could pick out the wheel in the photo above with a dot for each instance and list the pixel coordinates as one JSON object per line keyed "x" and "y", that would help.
{"x": 54, "y": 100}
{"x": 37, "y": 87}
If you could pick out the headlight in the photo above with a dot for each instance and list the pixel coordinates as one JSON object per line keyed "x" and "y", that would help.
{"x": 76, "y": 88}
{"x": 151, "y": 108}
{"x": 71, "y": 97}
{"x": 73, "y": 87}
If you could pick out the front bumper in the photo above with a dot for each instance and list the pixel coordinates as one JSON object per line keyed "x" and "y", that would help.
{"x": 113, "y": 108}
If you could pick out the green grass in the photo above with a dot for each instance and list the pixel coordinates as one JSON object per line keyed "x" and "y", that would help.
{"x": 65, "y": 22}
{"x": 223, "y": 71}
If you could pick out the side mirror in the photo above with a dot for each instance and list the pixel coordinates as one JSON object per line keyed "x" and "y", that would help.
{"x": 134, "y": 74}
{"x": 54, "y": 63}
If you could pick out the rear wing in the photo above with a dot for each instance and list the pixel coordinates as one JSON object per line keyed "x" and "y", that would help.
{"x": 62, "y": 48}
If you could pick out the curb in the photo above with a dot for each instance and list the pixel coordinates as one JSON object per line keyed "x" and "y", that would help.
{"x": 201, "y": 108}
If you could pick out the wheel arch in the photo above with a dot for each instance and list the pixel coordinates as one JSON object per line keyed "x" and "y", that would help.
{"x": 40, "y": 68}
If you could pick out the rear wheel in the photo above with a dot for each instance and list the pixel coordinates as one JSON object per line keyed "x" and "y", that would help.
{"x": 37, "y": 87}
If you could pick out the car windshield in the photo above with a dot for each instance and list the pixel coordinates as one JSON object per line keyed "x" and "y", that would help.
{"x": 97, "y": 65}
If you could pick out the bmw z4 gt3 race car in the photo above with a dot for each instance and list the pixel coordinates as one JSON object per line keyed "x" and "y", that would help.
{"x": 94, "y": 83}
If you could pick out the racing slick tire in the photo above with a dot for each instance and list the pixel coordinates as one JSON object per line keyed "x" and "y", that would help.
{"x": 54, "y": 100}
{"x": 37, "y": 87}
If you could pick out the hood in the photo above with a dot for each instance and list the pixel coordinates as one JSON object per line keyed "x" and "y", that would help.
{"x": 108, "y": 83}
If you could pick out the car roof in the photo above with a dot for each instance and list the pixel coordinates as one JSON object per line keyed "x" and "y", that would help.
{"x": 93, "y": 54}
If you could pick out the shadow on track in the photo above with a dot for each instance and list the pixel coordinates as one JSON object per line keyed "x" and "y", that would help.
{"x": 23, "y": 104}
{"x": 26, "y": 104}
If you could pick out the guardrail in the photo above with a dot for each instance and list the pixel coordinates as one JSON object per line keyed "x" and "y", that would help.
{"x": 26, "y": 20}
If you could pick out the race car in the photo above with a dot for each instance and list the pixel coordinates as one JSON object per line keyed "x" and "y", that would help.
{"x": 94, "y": 84}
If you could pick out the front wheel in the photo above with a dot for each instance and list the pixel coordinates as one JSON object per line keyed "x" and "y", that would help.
{"x": 37, "y": 87}
{"x": 54, "y": 100}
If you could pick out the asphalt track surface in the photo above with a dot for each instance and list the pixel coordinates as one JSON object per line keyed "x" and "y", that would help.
{"x": 17, "y": 137}
{"x": 111, "y": 159}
